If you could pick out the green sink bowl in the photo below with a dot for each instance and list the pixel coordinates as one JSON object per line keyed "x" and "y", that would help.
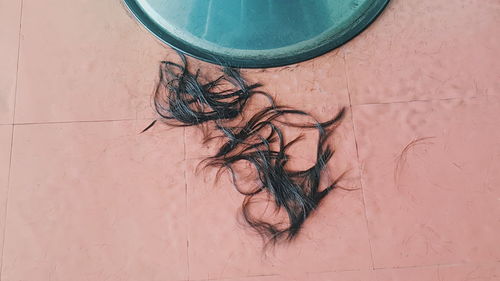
{"x": 255, "y": 33}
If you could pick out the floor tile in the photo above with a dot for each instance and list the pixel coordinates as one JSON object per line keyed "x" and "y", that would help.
{"x": 96, "y": 201}
{"x": 307, "y": 84}
{"x": 84, "y": 60}
{"x": 5, "y": 145}
{"x": 430, "y": 181}
{"x": 10, "y": 14}
{"x": 430, "y": 49}
{"x": 220, "y": 246}
{"x": 476, "y": 272}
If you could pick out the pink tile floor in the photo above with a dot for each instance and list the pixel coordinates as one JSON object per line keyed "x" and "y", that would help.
{"x": 85, "y": 197}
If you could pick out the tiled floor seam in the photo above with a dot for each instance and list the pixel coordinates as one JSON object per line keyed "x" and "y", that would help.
{"x": 5, "y": 209}
{"x": 437, "y": 265}
{"x": 4, "y": 230}
{"x": 17, "y": 62}
{"x": 187, "y": 204}
{"x": 426, "y": 100}
{"x": 231, "y": 278}
{"x": 353, "y": 270}
{"x": 358, "y": 161}
{"x": 81, "y": 121}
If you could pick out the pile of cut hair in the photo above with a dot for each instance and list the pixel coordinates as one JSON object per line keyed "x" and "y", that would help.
{"x": 185, "y": 98}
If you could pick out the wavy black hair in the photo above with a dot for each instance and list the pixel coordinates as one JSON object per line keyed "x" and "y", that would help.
{"x": 183, "y": 98}
{"x": 297, "y": 192}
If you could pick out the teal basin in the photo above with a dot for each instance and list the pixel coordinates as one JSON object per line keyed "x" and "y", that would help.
{"x": 255, "y": 33}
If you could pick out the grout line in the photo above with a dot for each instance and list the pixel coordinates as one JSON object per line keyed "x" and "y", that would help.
{"x": 17, "y": 63}
{"x": 5, "y": 208}
{"x": 186, "y": 204}
{"x": 357, "y": 156}
{"x": 240, "y": 277}
{"x": 4, "y": 230}
{"x": 435, "y": 265}
{"x": 410, "y": 101}
{"x": 81, "y": 121}
{"x": 349, "y": 270}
